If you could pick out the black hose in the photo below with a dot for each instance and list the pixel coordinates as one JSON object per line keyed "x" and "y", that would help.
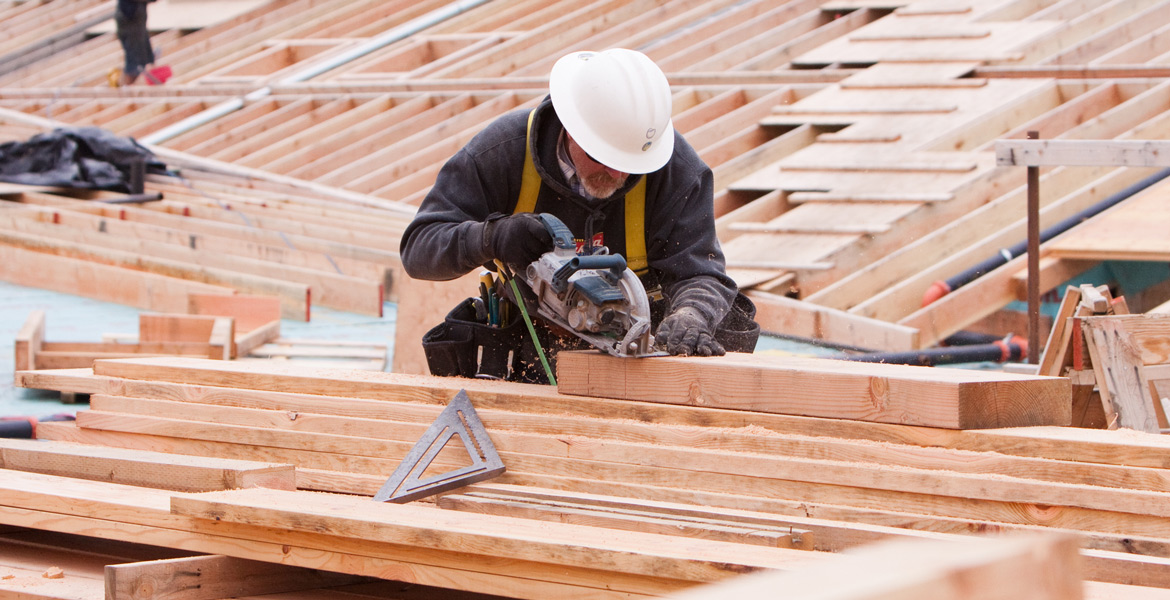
{"x": 1013, "y": 349}
{"x": 16, "y": 427}
{"x": 26, "y": 427}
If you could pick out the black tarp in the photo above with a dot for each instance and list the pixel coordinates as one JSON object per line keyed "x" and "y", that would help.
{"x": 77, "y": 157}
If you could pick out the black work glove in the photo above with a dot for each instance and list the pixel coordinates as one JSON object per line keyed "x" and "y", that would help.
{"x": 517, "y": 239}
{"x": 686, "y": 332}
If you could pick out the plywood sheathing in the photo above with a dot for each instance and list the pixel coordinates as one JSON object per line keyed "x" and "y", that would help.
{"x": 1131, "y": 231}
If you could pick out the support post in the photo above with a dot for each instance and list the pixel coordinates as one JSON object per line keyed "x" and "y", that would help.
{"x": 1033, "y": 260}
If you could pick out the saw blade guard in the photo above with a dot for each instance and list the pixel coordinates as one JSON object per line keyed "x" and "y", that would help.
{"x": 595, "y": 297}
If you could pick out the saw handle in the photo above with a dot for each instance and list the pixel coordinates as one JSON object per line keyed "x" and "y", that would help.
{"x": 562, "y": 237}
{"x": 614, "y": 262}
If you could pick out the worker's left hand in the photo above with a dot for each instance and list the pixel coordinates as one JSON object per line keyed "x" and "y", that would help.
{"x": 686, "y": 332}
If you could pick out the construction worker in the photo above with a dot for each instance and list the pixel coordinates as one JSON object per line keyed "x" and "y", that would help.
{"x": 130, "y": 20}
{"x": 604, "y": 128}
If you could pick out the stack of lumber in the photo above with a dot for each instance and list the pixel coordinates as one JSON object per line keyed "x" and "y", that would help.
{"x": 203, "y": 237}
{"x": 202, "y": 336}
{"x": 1116, "y": 361}
{"x": 222, "y": 327}
{"x": 602, "y": 497}
{"x": 45, "y": 565}
{"x": 851, "y": 140}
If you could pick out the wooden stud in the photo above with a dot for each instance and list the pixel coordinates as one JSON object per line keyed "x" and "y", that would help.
{"x": 212, "y": 577}
{"x": 1041, "y": 567}
{"x": 150, "y": 469}
{"x": 838, "y": 389}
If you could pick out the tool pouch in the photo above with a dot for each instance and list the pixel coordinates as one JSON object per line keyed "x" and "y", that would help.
{"x": 464, "y": 346}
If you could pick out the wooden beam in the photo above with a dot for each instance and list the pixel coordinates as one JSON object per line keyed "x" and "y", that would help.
{"x": 1093, "y": 153}
{"x": 257, "y": 337}
{"x": 1056, "y": 349}
{"x": 211, "y": 578}
{"x": 423, "y": 527}
{"x": 173, "y": 327}
{"x": 1053, "y": 272}
{"x": 29, "y": 340}
{"x": 76, "y": 380}
{"x": 142, "y": 468}
{"x": 864, "y": 484}
{"x": 69, "y": 355}
{"x": 222, "y": 339}
{"x": 1045, "y": 567}
{"x": 142, "y": 515}
{"x": 216, "y": 332}
{"x": 294, "y": 295}
{"x": 147, "y": 291}
{"x": 222, "y": 246}
{"x": 249, "y": 311}
{"x": 1120, "y": 378}
{"x": 1078, "y": 71}
{"x": 808, "y": 532}
{"x": 808, "y": 320}
{"x": 711, "y": 529}
{"x": 937, "y": 397}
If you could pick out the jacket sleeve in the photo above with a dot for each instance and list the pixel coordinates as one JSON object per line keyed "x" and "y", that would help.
{"x": 446, "y": 238}
{"x": 685, "y": 249}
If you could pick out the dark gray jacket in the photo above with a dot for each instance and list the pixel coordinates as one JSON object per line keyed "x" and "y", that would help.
{"x": 445, "y": 240}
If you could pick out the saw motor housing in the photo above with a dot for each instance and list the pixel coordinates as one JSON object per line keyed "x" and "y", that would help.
{"x": 596, "y": 297}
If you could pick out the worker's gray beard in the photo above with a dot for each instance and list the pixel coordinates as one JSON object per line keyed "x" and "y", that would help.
{"x": 601, "y": 186}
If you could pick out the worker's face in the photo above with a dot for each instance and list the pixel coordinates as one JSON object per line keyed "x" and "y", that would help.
{"x": 598, "y": 180}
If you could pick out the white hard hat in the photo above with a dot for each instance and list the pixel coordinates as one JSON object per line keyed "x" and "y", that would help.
{"x": 616, "y": 105}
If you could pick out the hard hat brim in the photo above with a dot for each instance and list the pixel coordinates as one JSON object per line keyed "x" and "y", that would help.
{"x": 570, "y": 113}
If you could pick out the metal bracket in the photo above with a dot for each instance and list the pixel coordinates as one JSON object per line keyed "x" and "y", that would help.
{"x": 459, "y": 418}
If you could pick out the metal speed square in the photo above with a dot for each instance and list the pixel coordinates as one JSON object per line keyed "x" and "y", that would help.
{"x": 459, "y": 418}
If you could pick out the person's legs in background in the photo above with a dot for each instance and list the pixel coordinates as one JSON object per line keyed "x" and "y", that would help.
{"x": 130, "y": 18}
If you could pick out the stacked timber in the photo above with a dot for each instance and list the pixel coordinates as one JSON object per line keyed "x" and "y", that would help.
{"x": 222, "y": 327}
{"x": 602, "y": 497}
{"x": 200, "y": 238}
{"x": 1117, "y": 362}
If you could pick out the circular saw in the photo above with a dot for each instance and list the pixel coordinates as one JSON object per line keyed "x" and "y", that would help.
{"x": 595, "y": 297}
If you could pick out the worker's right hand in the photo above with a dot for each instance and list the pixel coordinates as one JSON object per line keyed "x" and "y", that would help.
{"x": 517, "y": 239}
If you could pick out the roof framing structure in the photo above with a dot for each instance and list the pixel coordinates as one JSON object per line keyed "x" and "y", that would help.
{"x": 852, "y": 141}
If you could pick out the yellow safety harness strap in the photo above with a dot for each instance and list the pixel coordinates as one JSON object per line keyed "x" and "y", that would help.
{"x": 530, "y": 180}
{"x": 635, "y": 203}
{"x": 636, "y": 228}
